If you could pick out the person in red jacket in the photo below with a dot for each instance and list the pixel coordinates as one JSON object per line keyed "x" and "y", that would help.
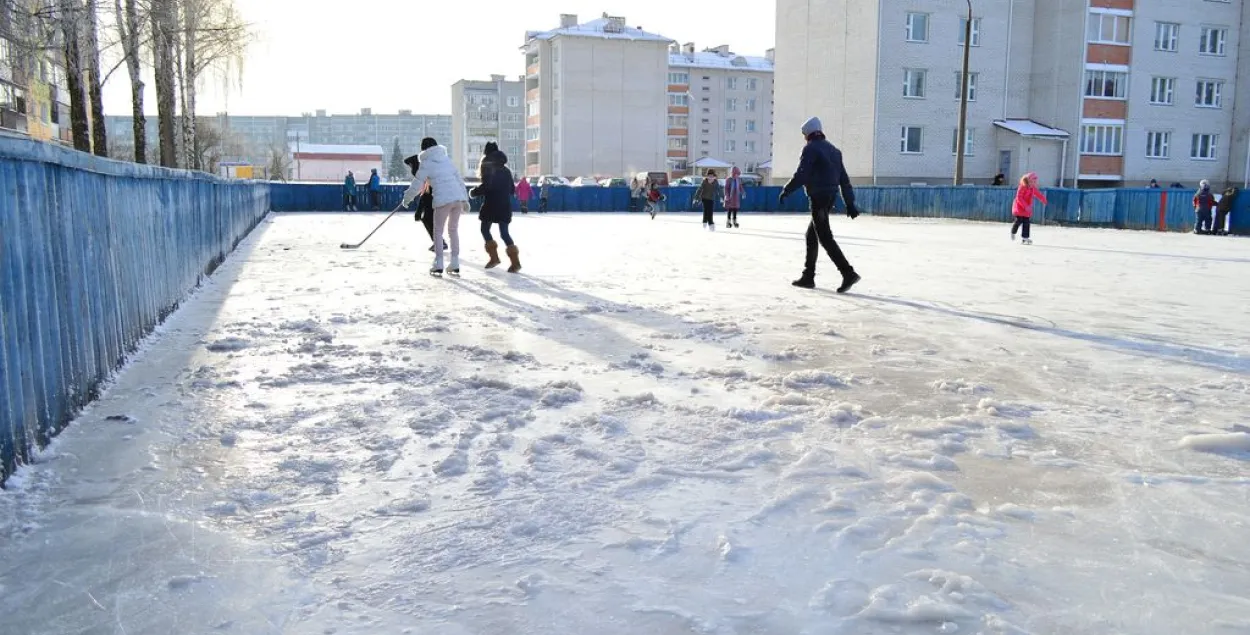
{"x": 1022, "y": 208}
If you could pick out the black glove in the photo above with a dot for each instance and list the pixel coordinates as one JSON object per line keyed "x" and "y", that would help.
{"x": 782, "y": 199}
{"x": 852, "y": 212}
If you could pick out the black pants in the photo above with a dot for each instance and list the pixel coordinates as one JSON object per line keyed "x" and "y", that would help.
{"x": 1204, "y": 221}
{"x": 375, "y": 198}
{"x": 542, "y": 205}
{"x": 709, "y": 207}
{"x": 1221, "y": 219}
{"x": 731, "y": 215}
{"x": 1024, "y": 222}
{"x": 427, "y": 219}
{"x": 349, "y": 201}
{"x": 819, "y": 235}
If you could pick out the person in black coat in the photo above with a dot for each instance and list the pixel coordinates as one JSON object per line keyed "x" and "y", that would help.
{"x": 822, "y": 174}
{"x": 497, "y": 189}
{"x": 425, "y": 204}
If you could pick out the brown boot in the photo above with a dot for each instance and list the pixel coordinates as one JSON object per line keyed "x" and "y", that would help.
{"x": 514, "y": 255}
{"x": 492, "y": 249}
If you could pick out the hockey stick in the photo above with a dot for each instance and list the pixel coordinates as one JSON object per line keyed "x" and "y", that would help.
{"x": 375, "y": 230}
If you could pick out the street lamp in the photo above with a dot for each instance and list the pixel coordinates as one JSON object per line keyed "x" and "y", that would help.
{"x": 963, "y": 103}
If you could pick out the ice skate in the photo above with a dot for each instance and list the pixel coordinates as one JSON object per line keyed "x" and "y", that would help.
{"x": 1013, "y": 238}
{"x": 805, "y": 282}
{"x": 453, "y": 269}
{"x": 1027, "y": 241}
{"x": 735, "y": 224}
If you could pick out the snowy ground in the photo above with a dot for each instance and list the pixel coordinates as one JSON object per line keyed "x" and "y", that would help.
{"x": 650, "y": 431}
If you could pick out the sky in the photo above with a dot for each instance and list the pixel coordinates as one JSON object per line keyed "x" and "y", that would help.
{"x": 405, "y": 54}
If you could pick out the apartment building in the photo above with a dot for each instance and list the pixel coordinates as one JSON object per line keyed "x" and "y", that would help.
{"x": 34, "y": 96}
{"x": 253, "y": 138}
{"x": 484, "y": 111}
{"x": 595, "y": 99}
{"x": 720, "y": 108}
{"x": 1087, "y": 92}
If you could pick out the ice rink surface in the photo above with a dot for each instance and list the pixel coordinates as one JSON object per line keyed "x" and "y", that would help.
{"x": 649, "y": 430}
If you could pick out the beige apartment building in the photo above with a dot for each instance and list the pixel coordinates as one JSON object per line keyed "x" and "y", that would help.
{"x": 595, "y": 99}
{"x": 1088, "y": 92}
{"x": 720, "y": 108}
{"x": 484, "y": 111}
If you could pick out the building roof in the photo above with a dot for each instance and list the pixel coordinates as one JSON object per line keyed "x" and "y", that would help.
{"x": 711, "y": 59}
{"x": 601, "y": 28}
{"x": 1030, "y": 128}
{"x": 316, "y": 148}
{"x": 709, "y": 162}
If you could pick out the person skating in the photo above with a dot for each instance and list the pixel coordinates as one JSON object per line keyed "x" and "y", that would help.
{"x": 654, "y": 198}
{"x": 497, "y": 188}
{"x": 1204, "y": 202}
{"x": 822, "y": 173}
{"x": 375, "y": 190}
{"x": 349, "y": 192}
{"x": 1022, "y": 207}
{"x": 544, "y": 191}
{"x": 450, "y": 200}
{"x": 734, "y": 194}
{"x": 425, "y": 204}
{"x": 523, "y": 193}
{"x": 708, "y": 193}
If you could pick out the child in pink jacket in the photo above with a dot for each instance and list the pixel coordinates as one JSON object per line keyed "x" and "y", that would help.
{"x": 1022, "y": 209}
{"x": 523, "y": 191}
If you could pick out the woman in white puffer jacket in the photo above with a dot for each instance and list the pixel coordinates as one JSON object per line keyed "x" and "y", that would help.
{"x": 450, "y": 199}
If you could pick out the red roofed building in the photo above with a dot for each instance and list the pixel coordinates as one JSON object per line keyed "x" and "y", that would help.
{"x": 315, "y": 162}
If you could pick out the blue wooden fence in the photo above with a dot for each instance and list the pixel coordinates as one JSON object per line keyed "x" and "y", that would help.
{"x": 1122, "y": 208}
{"x": 93, "y": 255}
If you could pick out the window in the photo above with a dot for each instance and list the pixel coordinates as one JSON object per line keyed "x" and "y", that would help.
{"x": 750, "y": 125}
{"x": 976, "y": 31}
{"x": 969, "y": 140}
{"x": 512, "y": 135}
{"x": 1158, "y": 145}
{"x": 514, "y": 102}
{"x": 675, "y": 99}
{"x": 679, "y": 78}
{"x": 753, "y": 84}
{"x": 972, "y": 86}
{"x": 731, "y": 83}
{"x": 1108, "y": 28}
{"x": 677, "y": 143}
{"x": 1208, "y": 94}
{"x": 911, "y": 141}
{"x": 1163, "y": 91}
{"x": 705, "y": 99}
{"x": 555, "y": 107}
{"x": 531, "y": 133}
{"x": 1102, "y": 139}
{"x": 473, "y": 163}
{"x": 751, "y": 104}
{"x": 1106, "y": 84}
{"x": 1203, "y": 146}
{"x": 913, "y": 83}
{"x": 1167, "y": 35}
{"x": 1213, "y": 41}
{"x": 731, "y": 104}
{"x": 917, "y": 27}
{"x": 748, "y": 146}
{"x": 678, "y": 121}
{"x": 731, "y": 146}
{"x": 555, "y": 54}
{"x": 4, "y": 51}
{"x": 731, "y": 125}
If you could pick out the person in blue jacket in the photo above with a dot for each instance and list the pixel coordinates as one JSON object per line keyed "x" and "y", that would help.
{"x": 349, "y": 192}
{"x": 822, "y": 173}
{"x": 375, "y": 189}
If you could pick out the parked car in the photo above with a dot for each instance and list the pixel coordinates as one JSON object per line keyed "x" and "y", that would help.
{"x": 552, "y": 179}
{"x": 659, "y": 178}
{"x": 583, "y": 181}
{"x": 689, "y": 180}
{"x": 614, "y": 183}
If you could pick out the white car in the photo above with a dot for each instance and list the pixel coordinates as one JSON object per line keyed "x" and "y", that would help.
{"x": 585, "y": 181}
{"x": 551, "y": 179}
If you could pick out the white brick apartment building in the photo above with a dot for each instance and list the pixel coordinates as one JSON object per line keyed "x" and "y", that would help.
{"x": 485, "y": 111}
{"x": 1139, "y": 89}
{"x": 595, "y": 99}
{"x": 720, "y": 106}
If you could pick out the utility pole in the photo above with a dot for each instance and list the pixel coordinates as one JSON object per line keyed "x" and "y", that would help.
{"x": 963, "y": 103}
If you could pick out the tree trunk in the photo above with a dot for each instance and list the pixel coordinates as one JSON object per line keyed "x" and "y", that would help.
{"x": 190, "y": 13}
{"x": 130, "y": 29}
{"x": 70, "y": 16}
{"x": 186, "y": 145}
{"x": 99, "y": 134}
{"x": 166, "y": 100}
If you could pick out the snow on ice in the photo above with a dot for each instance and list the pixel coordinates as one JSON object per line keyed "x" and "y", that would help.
{"x": 650, "y": 431}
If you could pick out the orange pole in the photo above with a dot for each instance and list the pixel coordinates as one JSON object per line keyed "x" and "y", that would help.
{"x": 1163, "y": 211}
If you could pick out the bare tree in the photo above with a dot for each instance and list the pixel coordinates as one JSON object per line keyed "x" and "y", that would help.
{"x": 70, "y": 19}
{"x": 130, "y": 31}
{"x": 95, "y": 90}
{"x": 164, "y": 35}
{"x": 279, "y": 163}
{"x": 214, "y": 37}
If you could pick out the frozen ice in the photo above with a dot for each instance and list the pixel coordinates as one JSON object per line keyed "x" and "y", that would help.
{"x": 650, "y": 431}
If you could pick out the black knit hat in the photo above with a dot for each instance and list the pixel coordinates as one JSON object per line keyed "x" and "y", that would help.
{"x": 491, "y": 146}
{"x": 428, "y": 143}
{"x": 413, "y": 163}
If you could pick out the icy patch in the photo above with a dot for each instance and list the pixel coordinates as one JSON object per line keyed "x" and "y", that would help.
{"x": 228, "y": 345}
{"x": 1233, "y": 442}
{"x": 844, "y": 415}
{"x": 807, "y": 379}
{"x": 561, "y": 393}
{"x": 960, "y": 386}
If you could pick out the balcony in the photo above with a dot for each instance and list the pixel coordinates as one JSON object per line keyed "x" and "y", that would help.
{"x": 531, "y": 70}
